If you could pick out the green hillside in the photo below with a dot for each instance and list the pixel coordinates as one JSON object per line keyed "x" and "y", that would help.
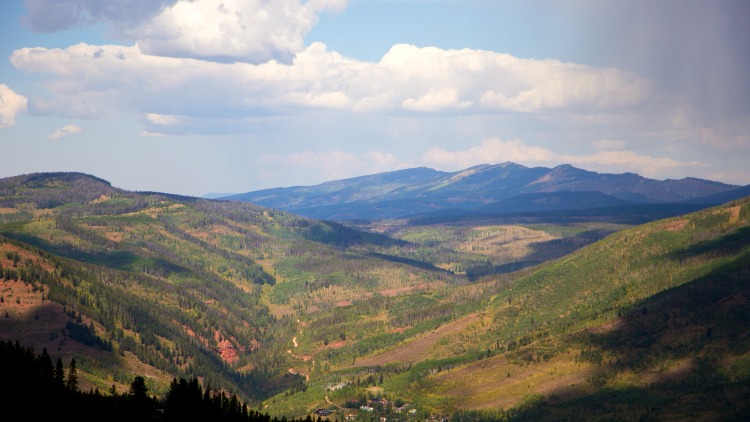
{"x": 164, "y": 286}
{"x": 651, "y": 322}
{"x": 468, "y": 322}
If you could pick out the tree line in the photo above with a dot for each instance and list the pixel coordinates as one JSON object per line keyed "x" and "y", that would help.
{"x": 36, "y": 388}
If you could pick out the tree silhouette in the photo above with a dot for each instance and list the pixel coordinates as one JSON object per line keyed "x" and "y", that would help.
{"x": 59, "y": 375}
{"x": 141, "y": 406}
{"x": 72, "y": 382}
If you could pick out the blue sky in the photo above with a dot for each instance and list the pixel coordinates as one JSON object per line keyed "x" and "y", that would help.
{"x": 201, "y": 96}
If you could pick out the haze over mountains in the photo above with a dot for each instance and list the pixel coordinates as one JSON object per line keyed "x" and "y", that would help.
{"x": 486, "y": 189}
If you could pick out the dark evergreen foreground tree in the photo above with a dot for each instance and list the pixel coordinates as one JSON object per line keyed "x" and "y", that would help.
{"x": 32, "y": 387}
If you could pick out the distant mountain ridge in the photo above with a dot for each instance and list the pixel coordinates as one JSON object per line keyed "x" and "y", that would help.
{"x": 553, "y": 320}
{"x": 483, "y": 188}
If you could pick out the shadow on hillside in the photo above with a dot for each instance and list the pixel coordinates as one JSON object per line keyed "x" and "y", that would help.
{"x": 119, "y": 259}
{"x": 683, "y": 354}
{"x": 540, "y": 252}
{"x": 726, "y": 245}
{"x": 690, "y": 344}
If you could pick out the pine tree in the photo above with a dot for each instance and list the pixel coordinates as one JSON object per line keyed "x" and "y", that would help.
{"x": 72, "y": 383}
{"x": 59, "y": 376}
{"x": 138, "y": 389}
{"x": 46, "y": 370}
{"x": 141, "y": 406}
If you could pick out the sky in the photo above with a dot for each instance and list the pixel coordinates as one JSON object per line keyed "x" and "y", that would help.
{"x": 229, "y": 96}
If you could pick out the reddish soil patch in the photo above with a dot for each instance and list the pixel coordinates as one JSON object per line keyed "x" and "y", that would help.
{"x": 333, "y": 345}
{"x": 221, "y": 230}
{"x": 199, "y": 235}
{"x": 734, "y": 214}
{"x": 114, "y": 236}
{"x": 402, "y": 290}
{"x": 227, "y": 351}
{"x": 344, "y": 303}
{"x": 675, "y": 225}
{"x": 225, "y": 348}
{"x": 192, "y": 333}
{"x": 24, "y": 255}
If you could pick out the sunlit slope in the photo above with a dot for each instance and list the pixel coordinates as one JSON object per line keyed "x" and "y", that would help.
{"x": 662, "y": 304}
{"x": 648, "y": 322}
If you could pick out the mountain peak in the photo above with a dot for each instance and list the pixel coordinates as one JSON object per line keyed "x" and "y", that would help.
{"x": 469, "y": 171}
{"x": 510, "y": 164}
{"x": 418, "y": 190}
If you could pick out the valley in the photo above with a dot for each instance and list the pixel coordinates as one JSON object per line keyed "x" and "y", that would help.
{"x": 467, "y": 317}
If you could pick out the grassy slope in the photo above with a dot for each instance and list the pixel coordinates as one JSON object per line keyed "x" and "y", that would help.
{"x": 194, "y": 287}
{"x": 658, "y": 310}
{"x": 646, "y": 305}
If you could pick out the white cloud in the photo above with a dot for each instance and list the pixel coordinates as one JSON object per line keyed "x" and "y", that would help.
{"x": 335, "y": 100}
{"x": 436, "y": 101}
{"x": 620, "y": 161}
{"x": 489, "y": 151}
{"x": 333, "y": 5}
{"x": 327, "y": 165}
{"x": 408, "y": 78}
{"x": 11, "y": 104}
{"x": 495, "y": 150}
{"x": 162, "y": 119}
{"x": 225, "y": 30}
{"x": 65, "y": 131}
{"x": 552, "y": 85}
{"x": 252, "y": 31}
{"x": 728, "y": 135}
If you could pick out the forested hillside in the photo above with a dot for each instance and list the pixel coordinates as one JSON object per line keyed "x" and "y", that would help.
{"x": 649, "y": 323}
{"x": 167, "y": 285}
{"x": 477, "y": 320}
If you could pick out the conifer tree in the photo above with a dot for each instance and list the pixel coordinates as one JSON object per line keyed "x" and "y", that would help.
{"x": 72, "y": 382}
{"x": 46, "y": 370}
{"x": 59, "y": 376}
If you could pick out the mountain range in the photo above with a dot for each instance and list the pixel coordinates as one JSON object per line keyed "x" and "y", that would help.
{"x": 490, "y": 319}
{"x": 484, "y": 189}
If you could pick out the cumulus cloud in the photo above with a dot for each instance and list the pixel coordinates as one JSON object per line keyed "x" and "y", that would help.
{"x": 11, "y": 104}
{"x": 223, "y": 30}
{"x": 407, "y": 78}
{"x": 65, "y": 131}
{"x": 436, "y": 100}
{"x": 496, "y": 150}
